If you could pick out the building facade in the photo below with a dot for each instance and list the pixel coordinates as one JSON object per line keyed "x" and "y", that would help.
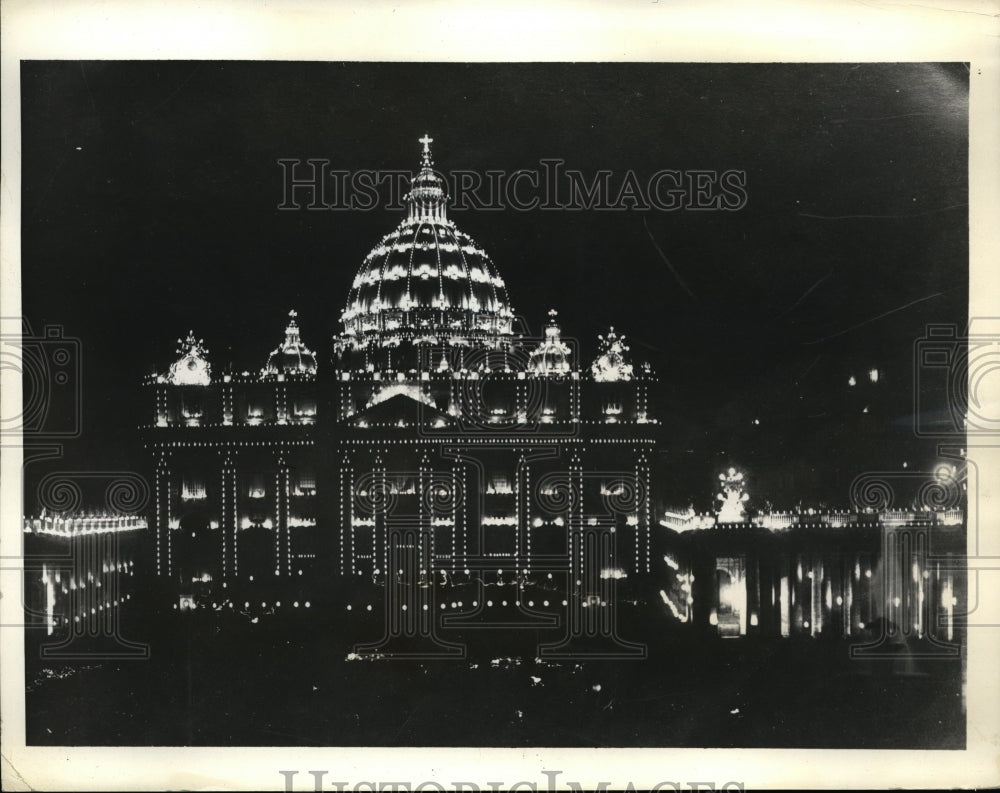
{"x": 436, "y": 417}
{"x": 888, "y": 576}
{"x": 439, "y": 444}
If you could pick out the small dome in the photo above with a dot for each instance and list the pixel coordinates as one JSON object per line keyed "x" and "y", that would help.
{"x": 292, "y": 356}
{"x": 552, "y": 356}
{"x": 192, "y": 368}
{"x": 427, "y": 282}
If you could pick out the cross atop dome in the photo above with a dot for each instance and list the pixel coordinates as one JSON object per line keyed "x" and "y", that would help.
{"x": 292, "y": 331}
{"x": 427, "y": 198}
{"x": 426, "y": 161}
{"x": 552, "y": 330}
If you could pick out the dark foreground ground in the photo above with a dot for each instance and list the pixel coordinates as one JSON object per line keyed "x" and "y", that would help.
{"x": 260, "y": 684}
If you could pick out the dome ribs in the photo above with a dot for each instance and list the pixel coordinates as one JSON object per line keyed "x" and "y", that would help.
{"x": 389, "y": 301}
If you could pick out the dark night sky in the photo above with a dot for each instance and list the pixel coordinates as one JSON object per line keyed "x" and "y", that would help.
{"x": 150, "y": 193}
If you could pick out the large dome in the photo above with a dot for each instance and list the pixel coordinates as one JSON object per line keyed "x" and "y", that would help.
{"x": 427, "y": 282}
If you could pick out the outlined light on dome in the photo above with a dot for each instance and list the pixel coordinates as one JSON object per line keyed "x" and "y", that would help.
{"x": 291, "y": 356}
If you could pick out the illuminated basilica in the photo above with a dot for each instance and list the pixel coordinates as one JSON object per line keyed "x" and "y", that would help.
{"x": 442, "y": 447}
